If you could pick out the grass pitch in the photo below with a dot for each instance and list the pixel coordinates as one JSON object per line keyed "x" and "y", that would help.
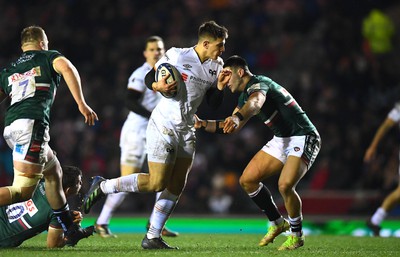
{"x": 213, "y": 245}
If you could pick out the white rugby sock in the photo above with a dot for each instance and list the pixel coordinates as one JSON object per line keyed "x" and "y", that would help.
{"x": 122, "y": 184}
{"x": 379, "y": 215}
{"x": 112, "y": 202}
{"x": 277, "y": 222}
{"x": 296, "y": 225}
{"x": 163, "y": 208}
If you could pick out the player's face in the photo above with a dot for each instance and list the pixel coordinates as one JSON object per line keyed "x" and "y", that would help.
{"x": 235, "y": 80}
{"x": 216, "y": 48}
{"x": 153, "y": 52}
{"x": 75, "y": 190}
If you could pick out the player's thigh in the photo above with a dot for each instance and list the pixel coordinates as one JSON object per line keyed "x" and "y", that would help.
{"x": 159, "y": 175}
{"x": 261, "y": 166}
{"x": 133, "y": 149}
{"x": 129, "y": 169}
{"x": 29, "y": 140}
{"x": 301, "y": 153}
{"x": 294, "y": 169}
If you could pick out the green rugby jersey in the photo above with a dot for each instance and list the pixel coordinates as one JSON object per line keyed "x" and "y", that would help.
{"x": 31, "y": 82}
{"x": 280, "y": 112}
{"x": 21, "y": 221}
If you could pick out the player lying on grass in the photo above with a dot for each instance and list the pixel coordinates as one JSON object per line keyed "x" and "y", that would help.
{"x": 290, "y": 153}
{"x": 24, "y": 220}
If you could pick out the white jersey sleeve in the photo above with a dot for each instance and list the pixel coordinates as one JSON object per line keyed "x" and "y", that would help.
{"x": 394, "y": 114}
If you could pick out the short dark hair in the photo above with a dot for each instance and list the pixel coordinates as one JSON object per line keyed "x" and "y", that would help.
{"x": 31, "y": 34}
{"x": 70, "y": 176}
{"x": 213, "y": 30}
{"x": 237, "y": 62}
{"x": 152, "y": 39}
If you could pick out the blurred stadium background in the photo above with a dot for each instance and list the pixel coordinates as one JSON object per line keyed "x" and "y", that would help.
{"x": 344, "y": 74}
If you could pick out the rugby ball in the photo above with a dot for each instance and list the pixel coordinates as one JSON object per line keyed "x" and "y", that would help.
{"x": 165, "y": 69}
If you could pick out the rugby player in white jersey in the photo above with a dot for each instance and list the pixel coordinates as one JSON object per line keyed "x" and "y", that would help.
{"x": 140, "y": 101}
{"x": 171, "y": 138}
{"x": 393, "y": 198}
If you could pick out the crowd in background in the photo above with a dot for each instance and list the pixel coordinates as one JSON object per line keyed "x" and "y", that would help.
{"x": 338, "y": 58}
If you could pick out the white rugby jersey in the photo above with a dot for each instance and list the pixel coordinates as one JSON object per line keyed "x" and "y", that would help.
{"x": 150, "y": 98}
{"x": 394, "y": 114}
{"x": 178, "y": 112}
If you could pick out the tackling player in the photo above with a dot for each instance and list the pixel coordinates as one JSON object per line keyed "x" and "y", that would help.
{"x": 140, "y": 101}
{"x": 171, "y": 138}
{"x": 290, "y": 153}
{"x": 22, "y": 221}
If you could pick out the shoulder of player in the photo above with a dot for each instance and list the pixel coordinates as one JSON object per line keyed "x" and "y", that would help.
{"x": 52, "y": 54}
{"x": 141, "y": 71}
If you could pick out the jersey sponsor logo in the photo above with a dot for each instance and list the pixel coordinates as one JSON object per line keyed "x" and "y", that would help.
{"x": 296, "y": 148}
{"x": 22, "y": 76}
{"x": 200, "y": 81}
{"x": 187, "y": 66}
{"x": 23, "y": 58}
{"x": 16, "y": 211}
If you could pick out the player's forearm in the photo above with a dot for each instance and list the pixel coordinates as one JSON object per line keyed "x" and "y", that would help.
{"x": 212, "y": 126}
{"x": 381, "y": 132}
{"x": 73, "y": 82}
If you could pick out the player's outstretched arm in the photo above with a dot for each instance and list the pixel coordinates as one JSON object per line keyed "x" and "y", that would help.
{"x": 211, "y": 126}
{"x": 71, "y": 76}
{"x": 380, "y": 133}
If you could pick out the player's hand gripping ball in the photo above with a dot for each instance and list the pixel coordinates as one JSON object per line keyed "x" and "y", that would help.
{"x": 165, "y": 69}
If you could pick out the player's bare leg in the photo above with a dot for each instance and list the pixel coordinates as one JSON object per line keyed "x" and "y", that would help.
{"x": 388, "y": 204}
{"x": 293, "y": 170}
{"x": 261, "y": 167}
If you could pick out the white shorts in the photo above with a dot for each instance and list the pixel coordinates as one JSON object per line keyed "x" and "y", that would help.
{"x": 29, "y": 140}
{"x": 133, "y": 143}
{"x": 164, "y": 145}
{"x": 306, "y": 147}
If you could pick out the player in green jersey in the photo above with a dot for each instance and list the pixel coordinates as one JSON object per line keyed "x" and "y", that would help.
{"x": 289, "y": 153}
{"x": 24, "y": 220}
{"x": 30, "y": 84}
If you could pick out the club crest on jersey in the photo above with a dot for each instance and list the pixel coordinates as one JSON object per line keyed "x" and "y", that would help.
{"x": 296, "y": 149}
{"x": 212, "y": 72}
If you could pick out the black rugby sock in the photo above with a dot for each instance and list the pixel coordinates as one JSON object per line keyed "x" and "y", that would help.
{"x": 263, "y": 199}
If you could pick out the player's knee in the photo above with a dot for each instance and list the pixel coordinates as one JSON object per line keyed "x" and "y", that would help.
{"x": 23, "y": 186}
{"x": 285, "y": 188}
{"x": 247, "y": 184}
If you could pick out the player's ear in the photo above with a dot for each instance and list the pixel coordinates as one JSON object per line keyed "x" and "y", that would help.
{"x": 206, "y": 43}
{"x": 241, "y": 72}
